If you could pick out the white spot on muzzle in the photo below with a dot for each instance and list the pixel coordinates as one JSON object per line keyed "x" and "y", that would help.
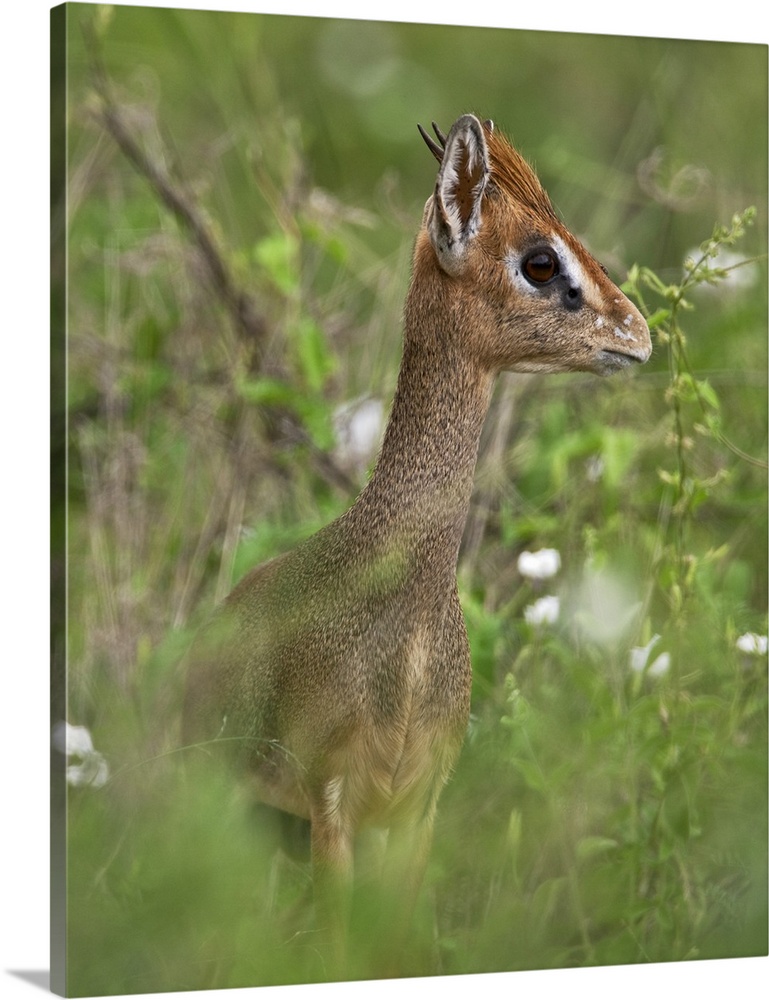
{"x": 625, "y": 334}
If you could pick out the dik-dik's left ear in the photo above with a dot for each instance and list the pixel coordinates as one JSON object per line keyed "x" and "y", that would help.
{"x": 456, "y": 208}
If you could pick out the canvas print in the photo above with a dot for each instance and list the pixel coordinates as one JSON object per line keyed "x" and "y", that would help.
{"x": 409, "y": 588}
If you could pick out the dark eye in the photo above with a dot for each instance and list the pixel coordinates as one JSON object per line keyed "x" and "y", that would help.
{"x": 541, "y": 267}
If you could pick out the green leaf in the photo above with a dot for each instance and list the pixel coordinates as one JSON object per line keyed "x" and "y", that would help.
{"x": 531, "y": 774}
{"x": 316, "y": 416}
{"x": 618, "y": 450}
{"x": 658, "y": 317}
{"x": 265, "y": 391}
{"x": 315, "y": 360}
{"x": 278, "y": 255}
{"x": 546, "y": 900}
{"x": 707, "y": 393}
{"x": 312, "y": 410}
{"x": 591, "y": 847}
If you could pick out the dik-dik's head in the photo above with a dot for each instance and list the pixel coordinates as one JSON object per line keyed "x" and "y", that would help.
{"x": 534, "y": 299}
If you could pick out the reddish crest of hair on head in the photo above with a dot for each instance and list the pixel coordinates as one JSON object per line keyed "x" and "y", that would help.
{"x": 512, "y": 174}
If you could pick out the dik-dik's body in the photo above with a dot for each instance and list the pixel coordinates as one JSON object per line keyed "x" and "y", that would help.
{"x": 341, "y": 670}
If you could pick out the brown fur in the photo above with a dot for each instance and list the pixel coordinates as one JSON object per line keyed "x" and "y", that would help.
{"x": 340, "y": 671}
{"x": 512, "y": 174}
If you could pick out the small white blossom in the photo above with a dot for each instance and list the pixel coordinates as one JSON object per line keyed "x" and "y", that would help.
{"x": 754, "y": 644}
{"x": 640, "y": 654}
{"x": 606, "y": 606}
{"x": 70, "y": 740}
{"x": 545, "y": 611}
{"x": 539, "y": 565}
{"x": 89, "y": 767}
{"x": 594, "y": 468}
{"x": 358, "y": 428}
{"x": 639, "y": 657}
{"x": 93, "y": 770}
{"x": 659, "y": 666}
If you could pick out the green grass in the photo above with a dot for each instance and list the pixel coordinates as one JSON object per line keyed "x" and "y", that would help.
{"x": 599, "y": 814}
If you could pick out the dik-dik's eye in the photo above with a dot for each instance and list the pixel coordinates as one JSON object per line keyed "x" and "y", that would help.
{"x": 541, "y": 267}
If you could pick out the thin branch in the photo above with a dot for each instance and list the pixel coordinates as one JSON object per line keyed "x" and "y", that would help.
{"x": 243, "y": 311}
{"x": 245, "y": 315}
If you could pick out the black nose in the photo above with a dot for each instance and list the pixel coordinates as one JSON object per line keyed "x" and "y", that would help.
{"x": 572, "y": 298}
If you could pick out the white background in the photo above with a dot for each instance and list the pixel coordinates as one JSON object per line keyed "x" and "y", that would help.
{"x": 24, "y": 329}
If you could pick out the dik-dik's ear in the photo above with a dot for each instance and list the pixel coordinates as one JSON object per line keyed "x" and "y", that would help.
{"x": 456, "y": 207}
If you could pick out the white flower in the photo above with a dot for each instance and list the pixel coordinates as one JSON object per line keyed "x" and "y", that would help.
{"x": 358, "y": 428}
{"x": 594, "y": 468}
{"x": 539, "y": 565}
{"x": 545, "y": 611}
{"x": 93, "y": 770}
{"x": 606, "y": 606}
{"x": 754, "y": 644}
{"x": 639, "y": 657}
{"x": 659, "y": 666}
{"x": 75, "y": 741}
{"x": 72, "y": 739}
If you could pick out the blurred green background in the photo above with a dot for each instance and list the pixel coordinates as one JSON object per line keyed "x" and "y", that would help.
{"x": 599, "y": 814}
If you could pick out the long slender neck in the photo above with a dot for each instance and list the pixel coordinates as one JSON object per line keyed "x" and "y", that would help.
{"x": 421, "y": 487}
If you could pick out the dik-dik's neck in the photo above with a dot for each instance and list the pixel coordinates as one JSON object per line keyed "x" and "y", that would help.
{"x": 423, "y": 480}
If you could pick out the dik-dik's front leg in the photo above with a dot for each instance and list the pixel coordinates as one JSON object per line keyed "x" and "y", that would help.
{"x": 332, "y": 875}
{"x": 408, "y": 851}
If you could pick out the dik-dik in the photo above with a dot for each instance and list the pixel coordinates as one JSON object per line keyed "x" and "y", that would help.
{"x": 341, "y": 670}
